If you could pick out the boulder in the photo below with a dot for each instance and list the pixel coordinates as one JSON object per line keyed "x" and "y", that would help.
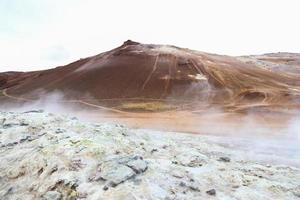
{"x": 117, "y": 174}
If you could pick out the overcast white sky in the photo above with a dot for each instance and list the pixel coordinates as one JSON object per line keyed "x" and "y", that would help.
{"x": 38, "y": 34}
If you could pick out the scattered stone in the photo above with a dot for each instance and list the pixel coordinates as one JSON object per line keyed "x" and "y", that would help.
{"x": 52, "y": 195}
{"x": 34, "y": 111}
{"x": 24, "y": 139}
{"x": 117, "y": 174}
{"x": 3, "y": 120}
{"x": 119, "y": 170}
{"x": 53, "y": 169}
{"x": 24, "y": 124}
{"x": 224, "y": 159}
{"x": 194, "y": 187}
{"x": 182, "y": 184}
{"x": 211, "y": 192}
{"x": 6, "y": 126}
{"x": 138, "y": 165}
{"x": 40, "y": 135}
{"x": 76, "y": 164}
{"x": 191, "y": 159}
{"x": 9, "y": 144}
{"x": 153, "y": 150}
{"x": 59, "y": 131}
{"x": 41, "y": 170}
{"x": 177, "y": 173}
{"x": 105, "y": 187}
{"x": 296, "y": 191}
{"x": 10, "y": 190}
{"x": 74, "y": 141}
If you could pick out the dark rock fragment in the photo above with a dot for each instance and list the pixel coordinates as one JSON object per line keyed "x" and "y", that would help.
{"x": 211, "y": 192}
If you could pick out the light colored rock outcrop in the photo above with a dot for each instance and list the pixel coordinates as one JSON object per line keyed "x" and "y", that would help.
{"x": 46, "y": 156}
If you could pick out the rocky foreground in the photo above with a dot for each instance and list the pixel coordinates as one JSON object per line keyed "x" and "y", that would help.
{"x": 46, "y": 156}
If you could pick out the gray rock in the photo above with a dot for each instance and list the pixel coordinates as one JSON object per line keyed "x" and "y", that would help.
{"x": 24, "y": 139}
{"x": 118, "y": 170}
{"x": 59, "y": 131}
{"x": 224, "y": 159}
{"x": 24, "y": 124}
{"x": 153, "y": 150}
{"x": 9, "y": 144}
{"x": 9, "y": 190}
{"x": 105, "y": 187}
{"x": 296, "y": 191}
{"x": 191, "y": 160}
{"x": 138, "y": 165}
{"x": 182, "y": 184}
{"x": 52, "y": 195}
{"x": 2, "y": 121}
{"x": 9, "y": 125}
{"x": 194, "y": 186}
{"x": 211, "y": 192}
{"x": 117, "y": 174}
{"x": 34, "y": 111}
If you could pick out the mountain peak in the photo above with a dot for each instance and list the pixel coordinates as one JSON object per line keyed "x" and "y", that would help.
{"x": 130, "y": 42}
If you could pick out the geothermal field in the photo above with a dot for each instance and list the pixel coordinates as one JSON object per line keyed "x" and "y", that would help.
{"x": 146, "y": 121}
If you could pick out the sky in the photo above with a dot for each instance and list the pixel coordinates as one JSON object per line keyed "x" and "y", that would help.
{"x": 41, "y": 34}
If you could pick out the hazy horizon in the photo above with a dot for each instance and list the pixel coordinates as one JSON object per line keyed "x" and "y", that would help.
{"x": 37, "y": 35}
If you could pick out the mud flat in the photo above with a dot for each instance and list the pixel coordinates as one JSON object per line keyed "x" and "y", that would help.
{"x": 47, "y": 156}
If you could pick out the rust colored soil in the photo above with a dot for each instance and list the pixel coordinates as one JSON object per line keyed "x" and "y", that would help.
{"x": 135, "y": 76}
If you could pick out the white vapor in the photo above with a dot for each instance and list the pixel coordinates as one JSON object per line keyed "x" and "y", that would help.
{"x": 31, "y": 30}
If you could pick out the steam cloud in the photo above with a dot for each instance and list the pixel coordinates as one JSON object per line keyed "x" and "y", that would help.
{"x": 279, "y": 144}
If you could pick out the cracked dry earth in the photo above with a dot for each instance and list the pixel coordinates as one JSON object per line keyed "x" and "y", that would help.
{"x": 47, "y": 156}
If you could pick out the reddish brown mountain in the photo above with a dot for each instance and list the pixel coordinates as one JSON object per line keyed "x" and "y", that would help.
{"x": 145, "y": 72}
